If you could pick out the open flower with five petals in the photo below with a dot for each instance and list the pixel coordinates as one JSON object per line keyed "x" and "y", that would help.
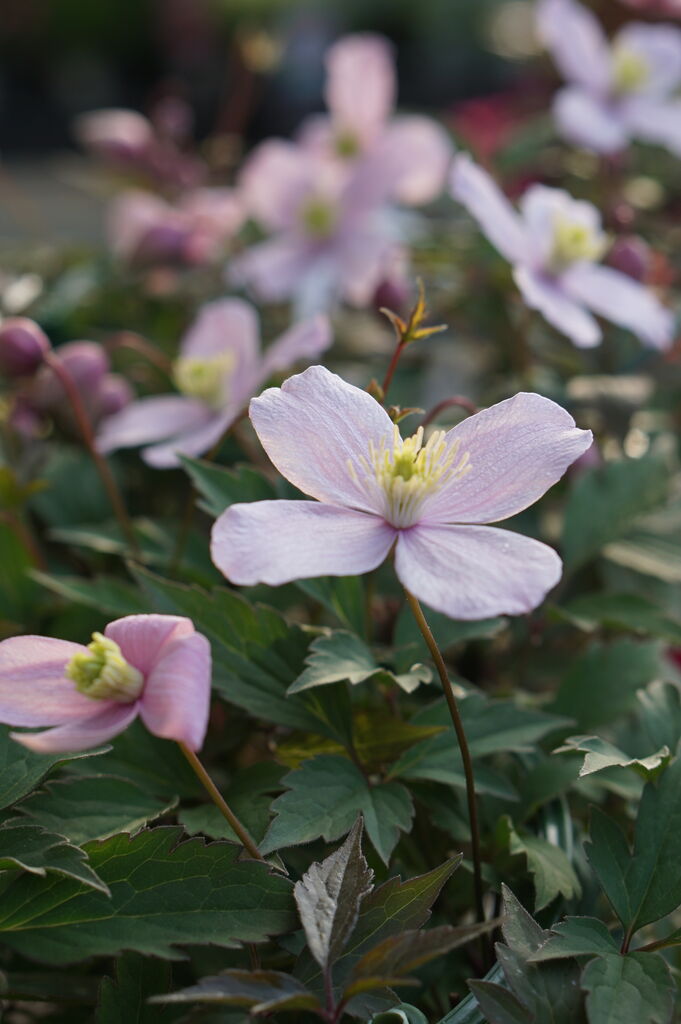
{"x": 219, "y": 368}
{"x": 427, "y": 498}
{"x": 554, "y": 243}
{"x": 154, "y": 666}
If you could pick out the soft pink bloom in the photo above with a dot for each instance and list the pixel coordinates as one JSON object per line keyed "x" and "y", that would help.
{"x": 146, "y": 229}
{"x": 619, "y": 90}
{"x": 554, "y": 242}
{"x": 220, "y": 367}
{"x": 161, "y": 672}
{"x": 375, "y": 491}
{"x": 361, "y": 90}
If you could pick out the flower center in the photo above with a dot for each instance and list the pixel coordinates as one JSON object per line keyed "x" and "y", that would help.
{"x": 319, "y": 218}
{"x": 204, "y": 379}
{"x": 409, "y": 470}
{"x": 104, "y": 674}
{"x": 573, "y": 242}
{"x": 629, "y": 70}
{"x": 346, "y": 145}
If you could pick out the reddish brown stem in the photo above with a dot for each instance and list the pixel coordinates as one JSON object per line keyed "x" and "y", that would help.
{"x": 456, "y": 401}
{"x": 392, "y": 366}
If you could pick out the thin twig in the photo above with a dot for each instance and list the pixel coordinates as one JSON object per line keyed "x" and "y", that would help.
{"x": 456, "y": 401}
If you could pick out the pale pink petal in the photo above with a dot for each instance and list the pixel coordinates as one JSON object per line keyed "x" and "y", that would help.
{"x": 142, "y": 638}
{"x": 475, "y": 189}
{"x": 193, "y": 442}
{"x": 152, "y": 419}
{"x": 275, "y": 542}
{"x": 133, "y": 214}
{"x": 420, "y": 151}
{"x": 577, "y": 43}
{"x": 305, "y": 340}
{"x": 474, "y": 572}
{"x": 517, "y": 449}
{"x": 360, "y": 85}
{"x": 619, "y": 298}
{"x": 365, "y": 259}
{"x": 176, "y": 700}
{"x": 273, "y": 269}
{"x": 659, "y": 46}
{"x": 228, "y": 326}
{"x": 543, "y": 208}
{"x": 274, "y": 180}
{"x": 589, "y": 121}
{"x": 316, "y": 428}
{"x": 33, "y": 687}
{"x": 113, "y": 130}
{"x": 655, "y": 121}
{"x": 562, "y": 312}
{"x": 107, "y": 719}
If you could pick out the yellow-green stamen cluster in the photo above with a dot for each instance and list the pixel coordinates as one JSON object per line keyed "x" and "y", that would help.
{"x": 573, "y": 242}
{"x": 347, "y": 145}
{"x": 104, "y": 674}
{"x": 205, "y": 379}
{"x": 629, "y": 70}
{"x": 319, "y": 218}
{"x": 409, "y": 471}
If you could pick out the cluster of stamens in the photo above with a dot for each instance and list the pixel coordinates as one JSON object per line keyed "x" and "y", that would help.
{"x": 204, "y": 379}
{"x": 629, "y": 70}
{"x": 573, "y": 242}
{"x": 103, "y": 673}
{"x": 319, "y": 217}
{"x": 409, "y": 470}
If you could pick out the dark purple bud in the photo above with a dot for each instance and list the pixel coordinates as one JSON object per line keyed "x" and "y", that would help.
{"x": 22, "y": 346}
{"x": 392, "y": 293}
{"x": 114, "y": 394}
{"x": 631, "y": 255}
{"x": 85, "y": 361}
{"x": 165, "y": 243}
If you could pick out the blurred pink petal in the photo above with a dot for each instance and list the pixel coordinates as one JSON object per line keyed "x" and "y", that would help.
{"x": 190, "y": 442}
{"x": 587, "y": 122}
{"x": 577, "y": 43}
{"x": 275, "y": 542}
{"x": 142, "y": 638}
{"x": 562, "y": 312}
{"x": 422, "y": 152}
{"x": 656, "y": 122}
{"x": 152, "y": 419}
{"x": 176, "y": 700}
{"x": 273, "y": 182}
{"x": 273, "y": 269}
{"x": 87, "y": 731}
{"x": 360, "y": 86}
{"x": 114, "y": 132}
{"x": 476, "y": 190}
{"x": 33, "y": 687}
{"x": 306, "y": 340}
{"x": 474, "y": 572}
{"x": 659, "y": 46}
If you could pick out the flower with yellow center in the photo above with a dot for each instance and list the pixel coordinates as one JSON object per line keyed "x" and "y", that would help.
{"x": 630, "y": 71}
{"x": 204, "y": 379}
{"x": 347, "y": 145}
{"x": 319, "y": 218}
{"x": 104, "y": 674}
{"x": 573, "y": 242}
{"x": 409, "y": 471}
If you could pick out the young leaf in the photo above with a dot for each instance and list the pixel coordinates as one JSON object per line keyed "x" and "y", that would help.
{"x": 343, "y": 596}
{"x": 108, "y": 594}
{"x": 498, "y": 1004}
{"x": 552, "y": 871}
{"x": 576, "y": 936}
{"x": 32, "y": 849}
{"x": 633, "y": 989}
{"x": 329, "y": 896}
{"x": 260, "y": 991}
{"x": 219, "y": 488}
{"x": 600, "y": 754}
{"x": 609, "y": 856}
{"x": 660, "y": 714}
{"x": 340, "y": 655}
{"x": 124, "y": 998}
{"x": 162, "y": 894}
{"x": 324, "y": 798}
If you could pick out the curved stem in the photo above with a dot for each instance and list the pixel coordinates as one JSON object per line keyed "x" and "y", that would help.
{"x": 387, "y": 380}
{"x": 101, "y": 465}
{"x": 459, "y": 401}
{"x": 463, "y": 747}
{"x": 221, "y": 803}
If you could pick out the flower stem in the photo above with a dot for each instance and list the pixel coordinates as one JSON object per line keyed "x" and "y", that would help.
{"x": 463, "y": 747}
{"x": 101, "y": 465}
{"x": 392, "y": 366}
{"x": 221, "y": 803}
{"x": 456, "y": 401}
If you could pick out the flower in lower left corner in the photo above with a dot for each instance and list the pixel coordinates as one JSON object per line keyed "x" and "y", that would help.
{"x": 154, "y": 666}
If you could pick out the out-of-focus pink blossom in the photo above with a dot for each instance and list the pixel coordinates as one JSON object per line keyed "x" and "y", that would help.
{"x": 617, "y": 91}
{"x": 87, "y": 363}
{"x": 23, "y": 345}
{"x": 154, "y": 666}
{"x": 220, "y": 367}
{"x": 664, "y": 7}
{"x": 147, "y": 230}
{"x": 426, "y": 499}
{"x": 554, "y": 243}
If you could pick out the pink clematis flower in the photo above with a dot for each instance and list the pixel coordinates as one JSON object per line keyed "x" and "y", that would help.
{"x": 619, "y": 90}
{"x": 554, "y": 243}
{"x": 218, "y": 370}
{"x": 361, "y": 89}
{"x": 425, "y": 498}
{"x": 154, "y": 666}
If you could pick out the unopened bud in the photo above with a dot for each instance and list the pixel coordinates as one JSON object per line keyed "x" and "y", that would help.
{"x": 113, "y": 394}
{"x": 22, "y": 346}
{"x": 631, "y": 255}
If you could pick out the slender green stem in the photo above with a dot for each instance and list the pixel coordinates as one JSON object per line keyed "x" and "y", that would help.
{"x": 221, "y": 803}
{"x": 463, "y": 747}
{"x": 101, "y": 465}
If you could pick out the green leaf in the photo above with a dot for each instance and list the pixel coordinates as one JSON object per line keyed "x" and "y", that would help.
{"x": 107, "y": 594}
{"x": 609, "y": 856}
{"x": 549, "y": 865}
{"x": 343, "y": 596}
{"x": 600, "y": 754}
{"x": 95, "y": 807}
{"x": 601, "y": 684}
{"x": 17, "y": 589}
{"x": 249, "y": 794}
{"x": 260, "y": 991}
{"x": 605, "y": 502}
{"x": 576, "y": 936}
{"x": 21, "y": 770}
{"x": 124, "y": 1000}
{"x": 660, "y": 714}
{"x": 498, "y": 1004}
{"x": 340, "y": 656}
{"x": 73, "y": 491}
{"x": 163, "y": 893}
{"x": 32, "y": 849}
{"x": 631, "y": 612}
{"x": 221, "y": 487}
{"x": 633, "y": 989}
{"x": 402, "y": 1014}
{"x": 446, "y": 631}
{"x": 324, "y": 798}
{"x": 329, "y": 895}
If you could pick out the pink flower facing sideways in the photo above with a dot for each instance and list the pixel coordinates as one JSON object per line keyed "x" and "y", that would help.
{"x": 554, "y": 243}
{"x": 220, "y": 367}
{"x": 154, "y": 666}
{"x": 619, "y": 90}
{"x": 424, "y": 497}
